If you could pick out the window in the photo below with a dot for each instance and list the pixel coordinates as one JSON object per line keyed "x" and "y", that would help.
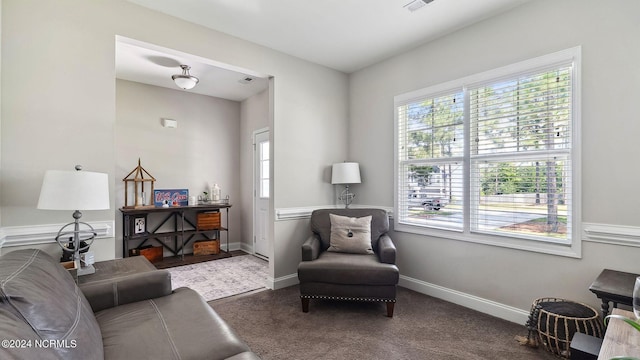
{"x": 264, "y": 169}
{"x": 490, "y": 158}
{"x": 431, "y": 154}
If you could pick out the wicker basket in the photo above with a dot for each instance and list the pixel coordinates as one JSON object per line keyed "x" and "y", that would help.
{"x": 558, "y": 319}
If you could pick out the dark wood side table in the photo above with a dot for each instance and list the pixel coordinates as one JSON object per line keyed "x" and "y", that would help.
{"x": 614, "y": 286}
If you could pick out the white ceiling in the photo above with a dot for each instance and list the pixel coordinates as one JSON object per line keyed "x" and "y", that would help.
{"x": 149, "y": 64}
{"x": 346, "y": 35}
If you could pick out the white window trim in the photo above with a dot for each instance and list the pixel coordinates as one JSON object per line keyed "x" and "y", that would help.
{"x": 574, "y": 249}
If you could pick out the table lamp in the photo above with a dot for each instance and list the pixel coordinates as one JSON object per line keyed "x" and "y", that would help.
{"x": 75, "y": 190}
{"x": 344, "y": 174}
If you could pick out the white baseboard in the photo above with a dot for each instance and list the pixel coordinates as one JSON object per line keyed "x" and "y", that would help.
{"x": 233, "y": 246}
{"x": 482, "y": 305}
{"x": 246, "y": 248}
{"x": 485, "y": 306}
{"x": 282, "y": 282}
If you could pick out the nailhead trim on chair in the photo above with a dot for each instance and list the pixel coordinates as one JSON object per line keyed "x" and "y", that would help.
{"x": 344, "y": 298}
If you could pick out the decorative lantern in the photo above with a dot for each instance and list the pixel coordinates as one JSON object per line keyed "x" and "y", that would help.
{"x": 138, "y": 177}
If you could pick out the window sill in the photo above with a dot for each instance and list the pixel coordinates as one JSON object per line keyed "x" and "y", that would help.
{"x": 573, "y": 250}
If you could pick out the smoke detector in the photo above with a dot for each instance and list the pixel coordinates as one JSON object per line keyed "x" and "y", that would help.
{"x": 416, "y": 4}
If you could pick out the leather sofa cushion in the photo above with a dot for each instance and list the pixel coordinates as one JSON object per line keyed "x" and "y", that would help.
{"x": 36, "y": 287}
{"x": 348, "y": 269}
{"x": 121, "y": 290}
{"x": 179, "y": 326}
{"x": 321, "y": 225}
{"x": 14, "y": 328}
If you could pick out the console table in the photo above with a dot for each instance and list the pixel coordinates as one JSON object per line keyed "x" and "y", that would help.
{"x": 614, "y": 286}
{"x": 180, "y": 221}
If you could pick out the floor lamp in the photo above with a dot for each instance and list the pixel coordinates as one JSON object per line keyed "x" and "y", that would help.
{"x": 75, "y": 190}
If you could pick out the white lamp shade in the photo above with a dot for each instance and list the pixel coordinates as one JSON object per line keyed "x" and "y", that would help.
{"x": 345, "y": 173}
{"x": 185, "y": 82}
{"x": 74, "y": 190}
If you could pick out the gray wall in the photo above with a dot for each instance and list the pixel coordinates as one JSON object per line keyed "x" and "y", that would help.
{"x": 50, "y": 120}
{"x": 204, "y": 149}
{"x": 64, "y": 111}
{"x": 608, "y": 33}
{"x": 255, "y": 115}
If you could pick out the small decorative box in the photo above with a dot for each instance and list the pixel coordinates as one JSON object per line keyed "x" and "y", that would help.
{"x": 208, "y": 221}
{"x": 208, "y": 247}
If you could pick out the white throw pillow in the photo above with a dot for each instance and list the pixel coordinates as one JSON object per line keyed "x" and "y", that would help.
{"x": 350, "y": 235}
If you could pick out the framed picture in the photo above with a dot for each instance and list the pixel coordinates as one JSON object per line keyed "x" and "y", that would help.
{"x": 140, "y": 225}
{"x": 137, "y": 225}
{"x": 171, "y": 197}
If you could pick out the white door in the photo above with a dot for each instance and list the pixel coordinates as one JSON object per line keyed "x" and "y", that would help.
{"x": 261, "y": 193}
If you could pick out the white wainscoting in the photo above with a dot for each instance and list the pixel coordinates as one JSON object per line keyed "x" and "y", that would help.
{"x": 298, "y": 213}
{"x": 592, "y": 232}
{"x": 44, "y": 234}
{"x": 611, "y": 234}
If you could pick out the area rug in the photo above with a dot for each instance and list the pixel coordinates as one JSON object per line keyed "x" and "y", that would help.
{"x": 222, "y": 278}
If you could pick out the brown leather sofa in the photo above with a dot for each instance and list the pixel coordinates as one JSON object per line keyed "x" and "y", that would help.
{"x": 345, "y": 276}
{"x": 45, "y": 315}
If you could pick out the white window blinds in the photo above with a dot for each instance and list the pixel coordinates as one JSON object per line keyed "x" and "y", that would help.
{"x": 520, "y": 155}
{"x": 493, "y": 156}
{"x": 431, "y": 149}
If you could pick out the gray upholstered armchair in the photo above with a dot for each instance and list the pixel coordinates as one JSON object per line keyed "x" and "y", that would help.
{"x": 348, "y": 276}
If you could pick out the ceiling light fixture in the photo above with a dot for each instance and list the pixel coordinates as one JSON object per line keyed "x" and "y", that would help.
{"x": 416, "y": 4}
{"x": 185, "y": 80}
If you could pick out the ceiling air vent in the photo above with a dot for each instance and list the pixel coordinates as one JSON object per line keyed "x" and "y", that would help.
{"x": 246, "y": 80}
{"x": 416, "y": 4}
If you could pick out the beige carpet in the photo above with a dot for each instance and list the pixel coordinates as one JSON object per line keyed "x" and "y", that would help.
{"x": 423, "y": 327}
